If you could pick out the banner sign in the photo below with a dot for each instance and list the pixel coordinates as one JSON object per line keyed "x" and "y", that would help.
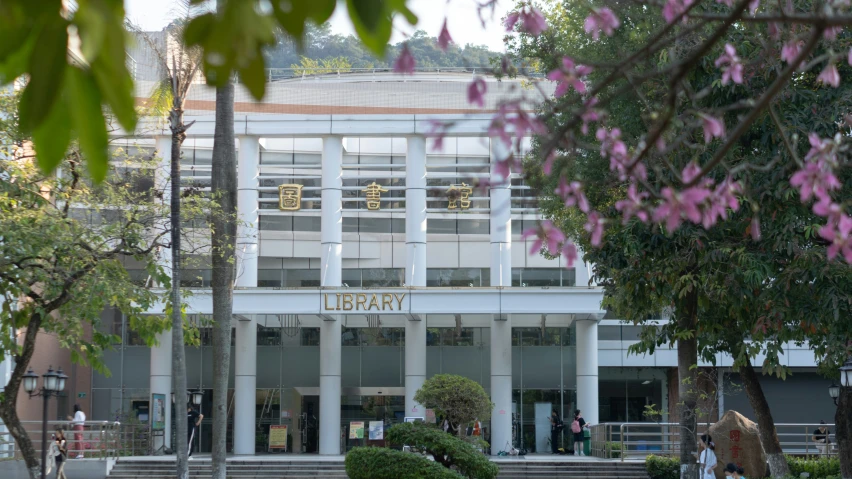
{"x": 377, "y": 432}
{"x": 356, "y": 430}
{"x": 158, "y": 412}
{"x": 278, "y": 437}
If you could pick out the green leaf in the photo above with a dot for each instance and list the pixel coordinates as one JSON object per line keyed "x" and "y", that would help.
{"x": 52, "y": 136}
{"x": 85, "y": 103}
{"x": 46, "y": 69}
{"x": 253, "y": 77}
{"x": 372, "y": 23}
{"x": 295, "y": 18}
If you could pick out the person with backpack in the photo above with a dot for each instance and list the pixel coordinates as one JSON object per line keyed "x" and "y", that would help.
{"x": 556, "y": 426}
{"x": 577, "y": 428}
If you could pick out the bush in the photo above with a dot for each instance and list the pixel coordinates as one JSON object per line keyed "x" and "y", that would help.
{"x": 447, "y": 449}
{"x": 456, "y": 398}
{"x": 613, "y": 450}
{"x": 820, "y": 468}
{"x": 662, "y": 467}
{"x": 381, "y": 463}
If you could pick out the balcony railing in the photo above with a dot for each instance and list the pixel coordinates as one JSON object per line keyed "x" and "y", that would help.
{"x": 98, "y": 440}
{"x": 636, "y": 440}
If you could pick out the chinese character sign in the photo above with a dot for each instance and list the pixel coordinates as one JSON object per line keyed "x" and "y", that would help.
{"x": 459, "y": 196}
{"x": 290, "y": 197}
{"x": 735, "y": 435}
{"x": 374, "y": 195}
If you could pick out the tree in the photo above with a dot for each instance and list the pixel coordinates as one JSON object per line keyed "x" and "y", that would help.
{"x": 455, "y": 398}
{"x": 61, "y": 257}
{"x": 224, "y": 236}
{"x": 179, "y": 66}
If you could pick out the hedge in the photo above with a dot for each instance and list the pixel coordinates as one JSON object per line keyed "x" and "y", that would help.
{"x": 820, "y": 468}
{"x": 662, "y": 467}
{"x": 447, "y": 449}
{"x": 382, "y": 463}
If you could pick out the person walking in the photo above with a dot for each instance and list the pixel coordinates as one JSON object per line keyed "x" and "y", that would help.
{"x": 733, "y": 471}
{"x": 577, "y": 426}
{"x": 79, "y": 424}
{"x": 60, "y": 453}
{"x": 707, "y": 458}
{"x": 822, "y": 438}
{"x": 556, "y": 426}
{"x": 193, "y": 420}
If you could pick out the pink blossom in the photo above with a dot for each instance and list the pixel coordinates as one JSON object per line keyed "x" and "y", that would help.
{"x": 503, "y": 168}
{"x": 444, "y": 38}
{"x": 713, "y": 127}
{"x": 774, "y": 31}
{"x": 830, "y": 33}
{"x": 822, "y": 150}
{"x": 546, "y": 234}
{"x": 531, "y": 19}
{"x": 589, "y": 115}
{"x": 755, "y": 228}
{"x": 849, "y": 58}
{"x": 497, "y": 129}
{"x": 595, "y": 227}
{"x": 476, "y": 92}
{"x": 437, "y": 131}
{"x": 724, "y": 197}
{"x": 633, "y": 205}
{"x": 601, "y": 20}
{"x": 791, "y": 50}
{"x": 815, "y": 179}
{"x": 841, "y": 238}
{"x": 572, "y": 194}
{"x": 405, "y": 62}
{"x": 674, "y": 8}
{"x": 828, "y": 209}
{"x": 677, "y": 206}
{"x": 690, "y": 172}
{"x": 732, "y": 67}
{"x": 569, "y": 251}
{"x": 830, "y": 75}
{"x": 569, "y": 75}
{"x": 548, "y": 163}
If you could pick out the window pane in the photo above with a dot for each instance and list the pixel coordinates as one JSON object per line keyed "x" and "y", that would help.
{"x": 569, "y": 277}
{"x": 275, "y": 223}
{"x": 268, "y": 336}
{"x": 351, "y": 278}
{"x": 276, "y": 158}
{"x": 398, "y": 225}
{"x": 473, "y": 226}
{"x": 306, "y": 223}
{"x": 377, "y": 277}
{"x": 350, "y": 225}
{"x": 269, "y": 278}
{"x": 437, "y": 226}
{"x": 301, "y": 278}
{"x": 374, "y": 225}
{"x": 541, "y": 277}
{"x": 310, "y": 336}
{"x": 516, "y": 277}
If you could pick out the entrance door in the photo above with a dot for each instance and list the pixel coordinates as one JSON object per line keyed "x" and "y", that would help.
{"x": 309, "y": 424}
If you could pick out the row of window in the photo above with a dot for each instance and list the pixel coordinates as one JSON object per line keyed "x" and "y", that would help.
{"x": 461, "y": 226}
{"x": 435, "y": 277}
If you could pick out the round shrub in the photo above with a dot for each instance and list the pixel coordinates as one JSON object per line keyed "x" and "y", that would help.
{"x": 381, "y": 463}
{"x": 446, "y": 449}
{"x": 662, "y": 467}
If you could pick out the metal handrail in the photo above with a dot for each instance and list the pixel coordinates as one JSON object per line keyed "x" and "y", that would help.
{"x": 98, "y": 439}
{"x": 635, "y": 440}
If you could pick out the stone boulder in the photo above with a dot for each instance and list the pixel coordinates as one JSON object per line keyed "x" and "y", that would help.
{"x": 737, "y": 441}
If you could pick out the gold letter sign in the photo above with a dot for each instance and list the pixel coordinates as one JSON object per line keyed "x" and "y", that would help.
{"x": 459, "y": 194}
{"x": 374, "y": 195}
{"x": 290, "y": 197}
{"x": 363, "y": 301}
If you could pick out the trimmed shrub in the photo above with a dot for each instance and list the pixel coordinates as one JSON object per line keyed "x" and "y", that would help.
{"x": 382, "y": 463}
{"x": 613, "y": 450}
{"x": 447, "y": 449}
{"x": 662, "y": 467}
{"x": 819, "y": 468}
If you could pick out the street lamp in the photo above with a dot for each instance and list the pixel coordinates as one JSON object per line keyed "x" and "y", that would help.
{"x": 834, "y": 392}
{"x": 197, "y": 396}
{"x": 53, "y": 383}
{"x": 846, "y": 373}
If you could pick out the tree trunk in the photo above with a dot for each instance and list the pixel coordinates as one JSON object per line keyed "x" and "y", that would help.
{"x": 10, "y": 398}
{"x": 687, "y": 361}
{"x": 778, "y": 466}
{"x": 843, "y": 429}
{"x": 224, "y": 189}
{"x": 178, "y": 351}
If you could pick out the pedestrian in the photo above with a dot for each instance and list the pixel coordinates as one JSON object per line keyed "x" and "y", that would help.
{"x": 556, "y": 426}
{"x": 707, "y": 459}
{"x": 193, "y": 420}
{"x": 577, "y": 426}
{"x": 60, "y": 453}
{"x": 822, "y": 438}
{"x": 733, "y": 471}
{"x": 79, "y": 424}
{"x": 477, "y": 428}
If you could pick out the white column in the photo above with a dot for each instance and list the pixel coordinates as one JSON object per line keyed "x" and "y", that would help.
{"x": 501, "y": 385}
{"x": 245, "y": 385}
{"x": 330, "y": 275}
{"x": 247, "y": 211}
{"x": 587, "y": 370}
{"x": 415, "y": 269}
{"x": 500, "y": 219}
{"x": 160, "y": 381}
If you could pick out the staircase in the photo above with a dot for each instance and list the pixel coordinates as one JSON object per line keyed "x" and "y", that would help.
{"x": 237, "y": 469}
{"x": 574, "y": 470}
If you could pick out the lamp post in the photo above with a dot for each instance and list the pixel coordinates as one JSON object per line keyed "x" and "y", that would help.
{"x": 53, "y": 383}
{"x": 834, "y": 392}
{"x": 846, "y": 373}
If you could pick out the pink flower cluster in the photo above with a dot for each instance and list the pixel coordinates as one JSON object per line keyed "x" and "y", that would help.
{"x": 601, "y": 20}
{"x": 405, "y": 62}
{"x": 732, "y": 67}
{"x": 547, "y": 234}
{"x": 522, "y": 123}
{"x": 675, "y": 8}
{"x": 476, "y": 92}
{"x": 573, "y": 194}
{"x": 530, "y": 18}
{"x": 613, "y": 147}
{"x": 700, "y": 204}
{"x": 569, "y": 75}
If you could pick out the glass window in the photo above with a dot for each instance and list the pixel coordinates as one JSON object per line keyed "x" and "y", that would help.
{"x": 268, "y": 336}
{"x": 473, "y": 226}
{"x": 541, "y": 277}
{"x": 306, "y": 223}
{"x": 569, "y": 277}
{"x": 310, "y": 336}
{"x": 516, "y": 276}
{"x": 269, "y": 278}
{"x": 375, "y": 225}
{"x": 397, "y": 225}
{"x": 306, "y": 158}
{"x": 351, "y": 278}
{"x": 196, "y": 278}
{"x": 301, "y": 278}
{"x": 460, "y": 277}
{"x": 275, "y": 223}
{"x": 350, "y": 225}
{"x": 276, "y": 158}
{"x": 378, "y": 277}
{"x": 203, "y": 157}
{"x": 438, "y": 226}
{"x": 381, "y": 336}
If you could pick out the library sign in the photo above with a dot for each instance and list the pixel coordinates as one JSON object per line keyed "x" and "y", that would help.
{"x": 363, "y": 301}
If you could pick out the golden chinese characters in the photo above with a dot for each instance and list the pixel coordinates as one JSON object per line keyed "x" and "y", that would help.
{"x": 290, "y": 197}
{"x": 374, "y": 195}
{"x": 459, "y": 196}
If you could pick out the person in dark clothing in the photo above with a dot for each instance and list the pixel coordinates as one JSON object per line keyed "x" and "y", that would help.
{"x": 556, "y": 426}
{"x": 193, "y": 420}
{"x": 822, "y": 438}
{"x": 577, "y": 428}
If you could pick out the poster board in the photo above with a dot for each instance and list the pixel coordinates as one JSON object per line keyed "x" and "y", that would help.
{"x": 158, "y": 412}
{"x": 278, "y": 437}
{"x": 377, "y": 431}
{"x": 415, "y": 419}
{"x": 356, "y": 430}
{"x": 430, "y": 416}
